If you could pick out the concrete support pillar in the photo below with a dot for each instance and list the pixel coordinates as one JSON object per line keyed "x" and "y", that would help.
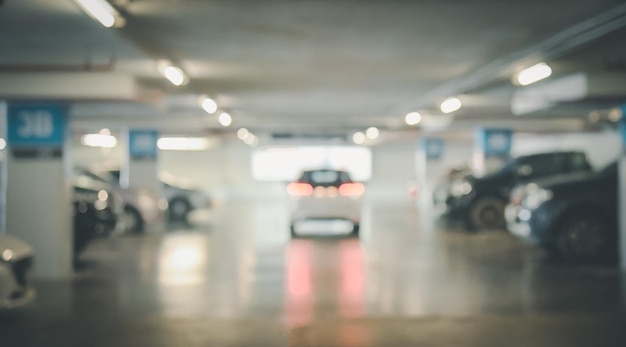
{"x": 429, "y": 165}
{"x": 492, "y": 148}
{"x": 38, "y": 201}
{"x": 140, "y": 169}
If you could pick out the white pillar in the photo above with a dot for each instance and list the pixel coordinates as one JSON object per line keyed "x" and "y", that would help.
{"x": 38, "y": 201}
{"x": 429, "y": 167}
{"x": 140, "y": 169}
{"x": 492, "y": 148}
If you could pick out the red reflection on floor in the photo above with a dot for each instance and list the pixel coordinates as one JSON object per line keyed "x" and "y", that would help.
{"x": 299, "y": 307}
{"x": 352, "y": 279}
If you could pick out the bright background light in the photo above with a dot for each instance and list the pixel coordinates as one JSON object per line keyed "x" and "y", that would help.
{"x": 450, "y": 105}
{"x": 209, "y": 105}
{"x": 99, "y": 140}
{"x": 413, "y": 118}
{"x": 183, "y": 143}
{"x": 225, "y": 119}
{"x": 372, "y": 133}
{"x": 3, "y": 144}
{"x": 174, "y": 75}
{"x": 243, "y": 134}
{"x": 534, "y": 74}
{"x": 99, "y": 10}
{"x": 286, "y": 163}
{"x": 358, "y": 138}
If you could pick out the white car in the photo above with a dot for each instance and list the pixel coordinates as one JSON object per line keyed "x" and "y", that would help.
{"x": 325, "y": 195}
{"x": 16, "y": 261}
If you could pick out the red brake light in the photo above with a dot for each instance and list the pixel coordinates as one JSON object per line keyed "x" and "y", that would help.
{"x": 299, "y": 189}
{"x": 352, "y": 189}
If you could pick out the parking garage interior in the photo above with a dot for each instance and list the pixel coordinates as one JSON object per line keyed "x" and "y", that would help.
{"x": 312, "y": 173}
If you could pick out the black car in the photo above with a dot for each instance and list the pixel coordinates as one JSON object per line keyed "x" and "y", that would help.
{"x": 574, "y": 216}
{"x": 480, "y": 201}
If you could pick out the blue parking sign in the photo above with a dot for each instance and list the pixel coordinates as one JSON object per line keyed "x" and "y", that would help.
{"x": 142, "y": 144}
{"x": 36, "y": 125}
{"x": 433, "y": 148}
{"x": 494, "y": 142}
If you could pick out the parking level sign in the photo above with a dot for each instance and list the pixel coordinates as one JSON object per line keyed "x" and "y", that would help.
{"x": 143, "y": 144}
{"x": 36, "y": 130}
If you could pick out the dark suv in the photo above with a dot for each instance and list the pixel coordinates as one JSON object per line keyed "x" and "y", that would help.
{"x": 480, "y": 201}
{"x": 574, "y": 216}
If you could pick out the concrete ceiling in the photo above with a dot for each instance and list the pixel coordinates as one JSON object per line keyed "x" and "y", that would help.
{"x": 281, "y": 64}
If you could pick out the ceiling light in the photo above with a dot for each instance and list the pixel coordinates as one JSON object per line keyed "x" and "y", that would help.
{"x": 183, "y": 143}
{"x": 450, "y": 105}
{"x": 173, "y": 74}
{"x": 104, "y": 131}
{"x": 358, "y": 138}
{"x": 99, "y": 140}
{"x": 250, "y": 140}
{"x": 3, "y": 144}
{"x": 533, "y": 74}
{"x": 101, "y": 11}
{"x": 413, "y": 118}
{"x": 209, "y": 105}
{"x": 225, "y": 119}
{"x": 243, "y": 133}
{"x": 372, "y": 133}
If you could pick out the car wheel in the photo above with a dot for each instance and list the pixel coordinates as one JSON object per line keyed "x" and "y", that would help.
{"x": 132, "y": 220}
{"x": 487, "y": 213}
{"x": 584, "y": 237}
{"x": 179, "y": 209}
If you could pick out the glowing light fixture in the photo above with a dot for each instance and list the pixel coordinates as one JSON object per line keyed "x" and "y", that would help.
{"x": 243, "y": 133}
{"x": 99, "y": 140}
{"x": 3, "y": 144}
{"x": 534, "y": 74}
{"x": 225, "y": 119}
{"x": 413, "y": 118}
{"x": 372, "y": 133}
{"x": 101, "y": 11}
{"x": 450, "y": 105}
{"x": 209, "y": 105}
{"x": 358, "y": 138}
{"x": 251, "y": 139}
{"x": 183, "y": 143}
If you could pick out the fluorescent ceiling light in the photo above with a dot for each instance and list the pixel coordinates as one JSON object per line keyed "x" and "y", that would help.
{"x": 183, "y": 143}
{"x": 251, "y": 140}
{"x": 174, "y": 74}
{"x": 209, "y": 105}
{"x": 99, "y": 140}
{"x": 358, "y": 138}
{"x": 372, "y": 133}
{"x": 534, "y": 74}
{"x": 101, "y": 11}
{"x": 225, "y": 119}
{"x": 243, "y": 133}
{"x": 413, "y": 118}
{"x": 3, "y": 144}
{"x": 450, "y": 105}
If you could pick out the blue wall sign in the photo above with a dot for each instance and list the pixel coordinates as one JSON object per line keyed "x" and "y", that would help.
{"x": 494, "y": 142}
{"x": 142, "y": 144}
{"x": 433, "y": 148}
{"x": 36, "y": 125}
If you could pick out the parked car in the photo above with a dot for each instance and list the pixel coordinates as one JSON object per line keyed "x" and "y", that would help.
{"x": 442, "y": 190}
{"x": 480, "y": 201}
{"x": 96, "y": 214}
{"x": 574, "y": 216}
{"x": 182, "y": 197}
{"x": 16, "y": 262}
{"x": 325, "y": 195}
{"x": 142, "y": 208}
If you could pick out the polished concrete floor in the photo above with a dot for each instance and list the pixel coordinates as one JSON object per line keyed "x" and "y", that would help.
{"x": 237, "y": 279}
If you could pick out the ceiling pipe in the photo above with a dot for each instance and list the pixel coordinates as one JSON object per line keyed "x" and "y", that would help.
{"x": 553, "y": 47}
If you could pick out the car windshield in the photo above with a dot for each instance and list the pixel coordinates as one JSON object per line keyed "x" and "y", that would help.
{"x": 325, "y": 177}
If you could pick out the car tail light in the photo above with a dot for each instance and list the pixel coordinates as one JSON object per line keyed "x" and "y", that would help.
{"x": 351, "y": 189}
{"x": 299, "y": 189}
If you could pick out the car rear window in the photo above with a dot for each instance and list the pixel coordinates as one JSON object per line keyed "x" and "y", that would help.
{"x": 325, "y": 177}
